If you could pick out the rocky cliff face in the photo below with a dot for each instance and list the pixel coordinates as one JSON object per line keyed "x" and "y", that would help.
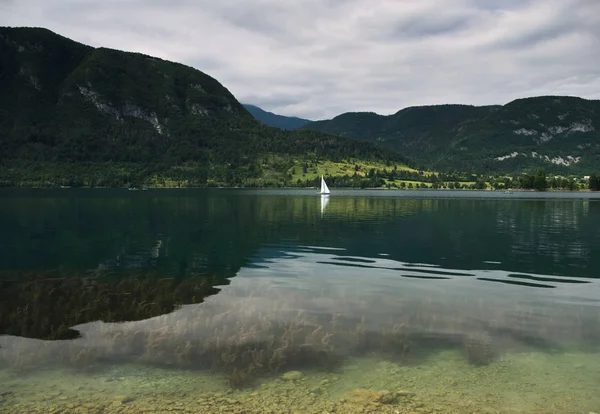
{"x": 64, "y": 101}
{"x": 54, "y": 79}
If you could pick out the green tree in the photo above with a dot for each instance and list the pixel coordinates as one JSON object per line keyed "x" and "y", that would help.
{"x": 527, "y": 181}
{"x": 479, "y": 185}
{"x": 595, "y": 182}
{"x": 540, "y": 182}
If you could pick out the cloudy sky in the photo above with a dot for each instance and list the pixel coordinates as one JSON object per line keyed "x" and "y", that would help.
{"x": 320, "y": 58}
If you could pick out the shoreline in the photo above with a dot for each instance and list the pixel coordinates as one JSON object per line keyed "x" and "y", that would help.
{"x": 512, "y": 190}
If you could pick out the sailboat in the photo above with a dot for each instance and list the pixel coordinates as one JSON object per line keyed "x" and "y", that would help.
{"x": 324, "y": 188}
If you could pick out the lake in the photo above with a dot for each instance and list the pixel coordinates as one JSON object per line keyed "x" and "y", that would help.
{"x": 255, "y": 301}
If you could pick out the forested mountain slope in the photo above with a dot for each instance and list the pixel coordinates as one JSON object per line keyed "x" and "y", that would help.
{"x": 555, "y": 132}
{"x": 72, "y": 112}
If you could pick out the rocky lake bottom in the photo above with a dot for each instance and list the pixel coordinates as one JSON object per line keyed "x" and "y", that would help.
{"x": 532, "y": 382}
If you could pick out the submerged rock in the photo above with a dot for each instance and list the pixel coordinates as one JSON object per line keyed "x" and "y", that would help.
{"x": 478, "y": 349}
{"x": 292, "y": 376}
{"x": 123, "y": 399}
{"x": 363, "y": 396}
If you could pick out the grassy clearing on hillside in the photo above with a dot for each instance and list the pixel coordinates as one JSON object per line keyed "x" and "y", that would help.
{"x": 331, "y": 168}
{"x": 271, "y": 170}
{"x": 419, "y": 184}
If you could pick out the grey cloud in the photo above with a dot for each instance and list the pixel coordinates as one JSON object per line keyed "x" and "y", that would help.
{"x": 499, "y": 5}
{"x": 431, "y": 28}
{"x": 534, "y": 37}
{"x": 265, "y": 19}
{"x": 545, "y": 22}
{"x": 5, "y": 4}
{"x": 531, "y": 36}
{"x": 431, "y": 24}
{"x": 317, "y": 59}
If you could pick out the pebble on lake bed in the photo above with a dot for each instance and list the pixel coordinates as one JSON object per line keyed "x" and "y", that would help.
{"x": 365, "y": 396}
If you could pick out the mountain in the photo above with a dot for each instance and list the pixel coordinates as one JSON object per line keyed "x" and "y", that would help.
{"x": 71, "y": 114}
{"x": 557, "y": 133}
{"x": 274, "y": 120}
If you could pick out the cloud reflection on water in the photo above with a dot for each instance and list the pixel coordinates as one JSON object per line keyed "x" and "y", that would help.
{"x": 301, "y": 305}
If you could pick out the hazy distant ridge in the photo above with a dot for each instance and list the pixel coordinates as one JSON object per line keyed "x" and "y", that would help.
{"x": 279, "y": 121}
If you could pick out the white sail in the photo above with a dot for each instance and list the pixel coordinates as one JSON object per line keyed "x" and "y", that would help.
{"x": 324, "y": 188}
